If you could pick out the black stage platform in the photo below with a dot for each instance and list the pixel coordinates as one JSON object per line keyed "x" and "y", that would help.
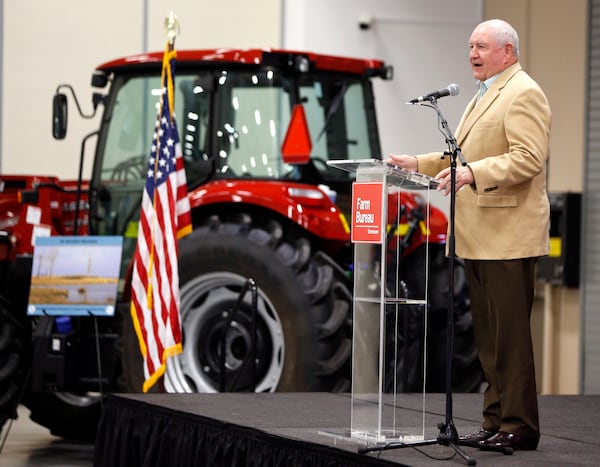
{"x": 285, "y": 429}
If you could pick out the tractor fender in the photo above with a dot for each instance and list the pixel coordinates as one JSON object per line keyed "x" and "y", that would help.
{"x": 306, "y": 205}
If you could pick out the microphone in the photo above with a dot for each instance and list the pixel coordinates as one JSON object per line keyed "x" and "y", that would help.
{"x": 451, "y": 90}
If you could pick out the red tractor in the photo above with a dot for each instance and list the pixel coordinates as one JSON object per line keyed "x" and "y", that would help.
{"x": 257, "y": 214}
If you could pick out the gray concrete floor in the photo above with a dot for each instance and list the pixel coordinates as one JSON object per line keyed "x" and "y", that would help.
{"x": 29, "y": 444}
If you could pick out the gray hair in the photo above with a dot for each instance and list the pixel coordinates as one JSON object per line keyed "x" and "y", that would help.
{"x": 504, "y": 33}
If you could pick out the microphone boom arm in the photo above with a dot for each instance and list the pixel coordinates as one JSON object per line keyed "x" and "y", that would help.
{"x": 453, "y": 148}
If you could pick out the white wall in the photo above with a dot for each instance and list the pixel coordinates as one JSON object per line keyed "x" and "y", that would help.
{"x": 425, "y": 40}
{"x": 45, "y": 43}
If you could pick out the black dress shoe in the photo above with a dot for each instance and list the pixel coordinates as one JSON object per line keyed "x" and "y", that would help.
{"x": 474, "y": 438}
{"x": 504, "y": 440}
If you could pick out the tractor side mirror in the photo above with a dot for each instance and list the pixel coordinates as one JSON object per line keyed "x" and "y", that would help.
{"x": 59, "y": 116}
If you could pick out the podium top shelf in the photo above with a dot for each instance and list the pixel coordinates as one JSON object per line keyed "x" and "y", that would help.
{"x": 395, "y": 175}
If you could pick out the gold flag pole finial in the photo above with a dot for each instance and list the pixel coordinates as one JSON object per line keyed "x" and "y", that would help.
{"x": 171, "y": 27}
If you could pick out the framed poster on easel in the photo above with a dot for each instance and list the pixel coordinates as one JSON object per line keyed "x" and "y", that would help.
{"x": 75, "y": 276}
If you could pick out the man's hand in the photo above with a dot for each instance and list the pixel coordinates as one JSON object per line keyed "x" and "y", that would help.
{"x": 464, "y": 176}
{"x": 406, "y": 162}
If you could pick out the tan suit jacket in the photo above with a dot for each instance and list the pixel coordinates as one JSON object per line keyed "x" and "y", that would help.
{"x": 505, "y": 214}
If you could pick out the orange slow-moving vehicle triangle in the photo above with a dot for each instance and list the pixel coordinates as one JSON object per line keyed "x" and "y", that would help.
{"x": 297, "y": 145}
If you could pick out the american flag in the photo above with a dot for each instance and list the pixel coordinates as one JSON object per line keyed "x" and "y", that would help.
{"x": 164, "y": 218}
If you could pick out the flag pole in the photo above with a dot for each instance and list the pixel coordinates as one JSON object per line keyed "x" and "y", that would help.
{"x": 164, "y": 219}
{"x": 172, "y": 29}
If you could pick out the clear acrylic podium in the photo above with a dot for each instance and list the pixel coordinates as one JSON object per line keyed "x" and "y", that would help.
{"x": 383, "y": 304}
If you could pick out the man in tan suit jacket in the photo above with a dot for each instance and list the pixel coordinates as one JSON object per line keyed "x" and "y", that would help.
{"x": 501, "y": 227}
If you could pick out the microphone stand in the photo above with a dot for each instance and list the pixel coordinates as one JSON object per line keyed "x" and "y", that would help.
{"x": 448, "y": 435}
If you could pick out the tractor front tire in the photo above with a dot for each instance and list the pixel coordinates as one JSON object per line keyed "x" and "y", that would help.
{"x": 300, "y": 339}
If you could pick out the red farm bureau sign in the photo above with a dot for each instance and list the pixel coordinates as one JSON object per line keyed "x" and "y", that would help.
{"x": 366, "y": 212}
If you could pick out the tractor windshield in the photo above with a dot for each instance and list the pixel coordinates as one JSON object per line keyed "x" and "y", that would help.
{"x": 255, "y": 113}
